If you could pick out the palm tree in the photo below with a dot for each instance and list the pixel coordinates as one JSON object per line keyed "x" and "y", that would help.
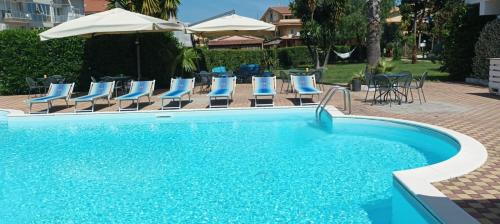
{"x": 373, "y": 37}
{"x": 164, "y": 9}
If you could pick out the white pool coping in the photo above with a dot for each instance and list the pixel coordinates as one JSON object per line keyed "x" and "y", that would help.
{"x": 418, "y": 181}
{"x": 471, "y": 155}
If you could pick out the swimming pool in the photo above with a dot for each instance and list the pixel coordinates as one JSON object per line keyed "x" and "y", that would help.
{"x": 243, "y": 166}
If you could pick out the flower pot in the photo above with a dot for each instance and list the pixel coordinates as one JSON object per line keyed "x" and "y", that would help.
{"x": 356, "y": 85}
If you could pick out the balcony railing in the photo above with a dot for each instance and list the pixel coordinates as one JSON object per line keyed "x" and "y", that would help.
{"x": 15, "y": 16}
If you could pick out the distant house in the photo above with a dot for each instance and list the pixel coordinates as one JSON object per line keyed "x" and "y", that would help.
{"x": 236, "y": 42}
{"x": 38, "y": 13}
{"x": 486, "y": 7}
{"x": 288, "y": 27}
{"x": 95, "y": 6}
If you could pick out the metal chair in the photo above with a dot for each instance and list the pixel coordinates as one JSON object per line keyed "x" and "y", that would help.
{"x": 285, "y": 78}
{"x": 33, "y": 85}
{"x": 404, "y": 84}
{"x": 370, "y": 82}
{"x": 419, "y": 86}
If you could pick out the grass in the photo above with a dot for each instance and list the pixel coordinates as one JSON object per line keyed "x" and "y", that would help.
{"x": 343, "y": 73}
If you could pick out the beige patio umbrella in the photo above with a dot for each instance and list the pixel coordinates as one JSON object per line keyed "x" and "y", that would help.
{"x": 114, "y": 21}
{"x": 231, "y": 24}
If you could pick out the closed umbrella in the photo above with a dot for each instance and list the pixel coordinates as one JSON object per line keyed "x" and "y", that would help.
{"x": 114, "y": 21}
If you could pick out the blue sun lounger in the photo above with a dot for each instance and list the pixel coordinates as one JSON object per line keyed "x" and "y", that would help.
{"x": 56, "y": 92}
{"x": 98, "y": 90}
{"x": 264, "y": 86}
{"x": 305, "y": 85}
{"x": 178, "y": 88}
{"x": 222, "y": 87}
{"x": 138, "y": 89}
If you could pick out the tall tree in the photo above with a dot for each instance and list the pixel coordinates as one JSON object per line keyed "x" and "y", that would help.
{"x": 374, "y": 32}
{"x": 164, "y": 9}
{"x": 320, "y": 19}
{"x": 418, "y": 16}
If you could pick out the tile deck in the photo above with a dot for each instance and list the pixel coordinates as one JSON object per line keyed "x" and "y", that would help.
{"x": 464, "y": 108}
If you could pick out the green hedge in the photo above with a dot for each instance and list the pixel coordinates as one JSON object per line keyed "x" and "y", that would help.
{"x": 23, "y": 55}
{"x": 158, "y": 53}
{"x": 294, "y": 56}
{"x": 232, "y": 59}
{"x": 488, "y": 46}
{"x": 459, "y": 45}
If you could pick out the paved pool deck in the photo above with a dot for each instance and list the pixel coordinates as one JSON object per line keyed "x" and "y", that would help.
{"x": 460, "y": 107}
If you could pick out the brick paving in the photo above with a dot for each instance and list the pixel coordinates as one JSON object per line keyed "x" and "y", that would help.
{"x": 464, "y": 108}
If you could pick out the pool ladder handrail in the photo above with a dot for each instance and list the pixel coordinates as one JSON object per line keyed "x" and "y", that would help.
{"x": 329, "y": 95}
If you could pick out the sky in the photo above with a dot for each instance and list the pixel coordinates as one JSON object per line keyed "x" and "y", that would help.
{"x": 192, "y": 11}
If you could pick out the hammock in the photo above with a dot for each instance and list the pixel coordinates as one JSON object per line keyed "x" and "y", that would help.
{"x": 344, "y": 55}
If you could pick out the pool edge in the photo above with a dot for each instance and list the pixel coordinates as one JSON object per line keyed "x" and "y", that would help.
{"x": 418, "y": 181}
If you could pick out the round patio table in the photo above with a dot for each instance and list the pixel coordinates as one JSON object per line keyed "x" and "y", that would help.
{"x": 392, "y": 85}
{"x": 120, "y": 82}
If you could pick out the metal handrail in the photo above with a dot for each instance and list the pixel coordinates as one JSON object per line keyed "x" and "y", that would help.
{"x": 328, "y": 96}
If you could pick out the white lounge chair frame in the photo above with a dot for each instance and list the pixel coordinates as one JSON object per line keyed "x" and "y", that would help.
{"x": 108, "y": 97}
{"x": 49, "y": 102}
{"x": 271, "y": 95}
{"x": 149, "y": 95}
{"x": 230, "y": 97}
{"x": 172, "y": 81}
{"x": 300, "y": 95}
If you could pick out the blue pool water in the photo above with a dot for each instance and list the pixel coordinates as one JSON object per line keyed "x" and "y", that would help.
{"x": 261, "y": 166}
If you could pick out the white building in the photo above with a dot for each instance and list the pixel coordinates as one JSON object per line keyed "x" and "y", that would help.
{"x": 487, "y": 7}
{"x": 38, "y": 13}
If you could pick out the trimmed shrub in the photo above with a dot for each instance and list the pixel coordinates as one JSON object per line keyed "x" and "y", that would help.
{"x": 487, "y": 46}
{"x": 294, "y": 56}
{"x": 158, "y": 53}
{"x": 232, "y": 59}
{"x": 459, "y": 45}
{"x": 22, "y": 55}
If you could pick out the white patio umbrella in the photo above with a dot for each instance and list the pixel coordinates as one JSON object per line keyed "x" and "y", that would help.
{"x": 114, "y": 21}
{"x": 232, "y": 24}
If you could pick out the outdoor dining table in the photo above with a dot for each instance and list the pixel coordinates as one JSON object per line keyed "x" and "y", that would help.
{"x": 120, "y": 81}
{"x": 391, "y": 85}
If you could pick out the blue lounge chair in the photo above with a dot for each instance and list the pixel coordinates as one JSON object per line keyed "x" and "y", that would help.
{"x": 56, "y": 92}
{"x": 178, "y": 88}
{"x": 222, "y": 87}
{"x": 305, "y": 85}
{"x": 264, "y": 86}
{"x": 98, "y": 90}
{"x": 138, "y": 89}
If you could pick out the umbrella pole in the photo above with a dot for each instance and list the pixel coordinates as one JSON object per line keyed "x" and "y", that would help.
{"x": 138, "y": 54}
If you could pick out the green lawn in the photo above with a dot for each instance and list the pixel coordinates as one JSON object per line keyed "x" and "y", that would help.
{"x": 343, "y": 73}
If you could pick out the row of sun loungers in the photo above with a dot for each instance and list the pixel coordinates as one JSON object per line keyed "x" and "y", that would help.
{"x": 222, "y": 88}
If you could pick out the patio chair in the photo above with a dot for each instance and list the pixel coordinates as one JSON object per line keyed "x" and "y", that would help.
{"x": 222, "y": 87}
{"x": 285, "y": 78}
{"x": 404, "y": 84}
{"x": 384, "y": 87}
{"x": 138, "y": 89}
{"x": 178, "y": 88}
{"x": 264, "y": 86}
{"x": 419, "y": 86}
{"x": 305, "y": 85}
{"x": 370, "y": 82}
{"x": 98, "y": 90}
{"x": 56, "y": 92}
{"x": 203, "y": 79}
{"x": 33, "y": 85}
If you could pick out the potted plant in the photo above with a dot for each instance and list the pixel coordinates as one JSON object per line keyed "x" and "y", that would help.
{"x": 357, "y": 80}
